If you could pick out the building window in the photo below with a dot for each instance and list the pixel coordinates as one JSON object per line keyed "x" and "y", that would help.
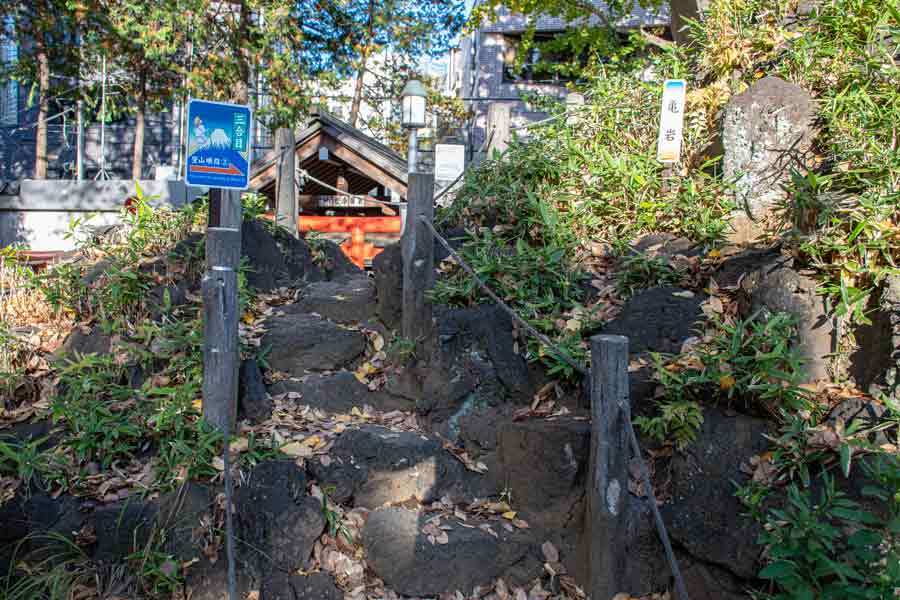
{"x": 538, "y": 63}
{"x": 9, "y": 89}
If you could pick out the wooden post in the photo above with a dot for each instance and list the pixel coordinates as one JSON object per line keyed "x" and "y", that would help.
{"x": 499, "y": 121}
{"x": 221, "y": 351}
{"x": 286, "y": 204}
{"x": 608, "y": 489}
{"x": 418, "y": 258}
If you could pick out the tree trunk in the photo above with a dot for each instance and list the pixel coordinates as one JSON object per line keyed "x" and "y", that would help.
{"x": 241, "y": 92}
{"x": 358, "y": 92}
{"x": 139, "y": 126}
{"x": 361, "y": 71}
{"x": 40, "y": 146}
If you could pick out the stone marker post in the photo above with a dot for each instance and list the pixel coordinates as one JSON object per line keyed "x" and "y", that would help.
{"x": 418, "y": 258}
{"x": 766, "y": 133}
{"x": 608, "y": 475}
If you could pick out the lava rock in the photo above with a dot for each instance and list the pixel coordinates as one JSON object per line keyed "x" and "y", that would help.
{"x": 474, "y": 364}
{"x": 763, "y": 130}
{"x": 122, "y": 528}
{"x": 307, "y": 342}
{"x": 337, "y": 266}
{"x": 388, "y": 269}
{"x": 161, "y": 296}
{"x": 315, "y": 586}
{"x": 277, "y": 518}
{"x": 254, "y": 403}
{"x": 675, "y": 314}
{"x": 408, "y": 563}
{"x": 338, "y": 393}
{"x": 346, "y": 301}
{"x": 703, "y": 515}
{"x": 778, "y": 287}
{"x": 544, "y": 464}
{"x": 374, "y": 466}
{"x": 275, "y": 258}
{"x": 83, "y": 340}
{"x": 181, "y": 515}
{"x": 664, "y": 244}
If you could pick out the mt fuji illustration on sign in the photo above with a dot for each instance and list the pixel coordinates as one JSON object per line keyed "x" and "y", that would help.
{"x": 218, "y": 152}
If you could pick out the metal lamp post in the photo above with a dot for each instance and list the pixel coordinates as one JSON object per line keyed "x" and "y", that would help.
{"x": 413, "y": 97}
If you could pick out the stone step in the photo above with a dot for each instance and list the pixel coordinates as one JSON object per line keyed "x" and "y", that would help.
{"x": 346, "y": 301}
{"x": 373, "y": 466}
{"x": 305, "y": 342}
{"x": 401, "y": 554}
{"x": 339, "y": 393}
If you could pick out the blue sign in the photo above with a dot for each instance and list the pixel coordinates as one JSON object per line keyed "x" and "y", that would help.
{"x": 218, "y": 145}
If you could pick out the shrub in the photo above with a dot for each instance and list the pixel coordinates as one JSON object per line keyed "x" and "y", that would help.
{"x": 827, "y": 546}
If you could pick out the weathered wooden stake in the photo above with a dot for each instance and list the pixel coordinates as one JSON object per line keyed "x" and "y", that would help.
{"x": 608, "y": 490}
{"x": 221, "y": 353}
{"x": 418, "y": 258}
{"x": 499, "y": 120}
{"x": 286, "y": 197}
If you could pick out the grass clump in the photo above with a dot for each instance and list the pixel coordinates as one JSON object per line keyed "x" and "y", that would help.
{"x": 751, "y": 363}
{"x": 639, "y": 271}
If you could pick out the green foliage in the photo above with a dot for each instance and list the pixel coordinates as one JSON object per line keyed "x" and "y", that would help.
{"x": 401, "y": 350}
{"x": 639, "y": 271}
{"x": 101, "y": 414}
{"x": 827, "y": 546}
{"x": 253, "y": 205}
{"x": 53, "y": 573}
{"x": 24, "y": 460}
{"x": 13, "y": 356}
{"x": 841, "y": 215}
{"x": 158, "y": 573}
{"x": 677, "y": 421}
{"x": 334, "y": 524}
{"x": 751, "y": 361}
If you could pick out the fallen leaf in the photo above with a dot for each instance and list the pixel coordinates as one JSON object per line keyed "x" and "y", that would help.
{"x": 297, "y": 450}
{"x": 726, "y": 382}
{"x": 510, "y": 515}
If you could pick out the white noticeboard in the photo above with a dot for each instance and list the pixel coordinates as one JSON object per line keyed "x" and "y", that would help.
{"x": 449, "y": 161}
{"x": 671, "y": 122}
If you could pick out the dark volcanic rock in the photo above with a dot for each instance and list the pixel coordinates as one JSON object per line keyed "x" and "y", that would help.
{"x": 388, "y": 269}
{"x": 703, "y": 515}
{"x": 84, "y": 340}
{"x": 285, "y": 586}
{"x": 277, "y": 517}
{"x": 664, "y": 244}
{"x": 181, "y": 515}
{"x": 658, "y": 320}
{"x": 163, "y": 297}
{"x": 544, "y": 464}
{"x": 122, "y": 528}
{"x": 339, "y": 393}
{"x": 373, "y": 466}
{"x": 346, "y": 301}
{"x": 404, "y": 558}
{"x": 307, "y": 342}
{"x": 474, "y": 364}
{"x": 338, "y": 267}
{"x": 275, "y": 259}
{"x": 253, "y": 401}
{"x": 778, "y": 287}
